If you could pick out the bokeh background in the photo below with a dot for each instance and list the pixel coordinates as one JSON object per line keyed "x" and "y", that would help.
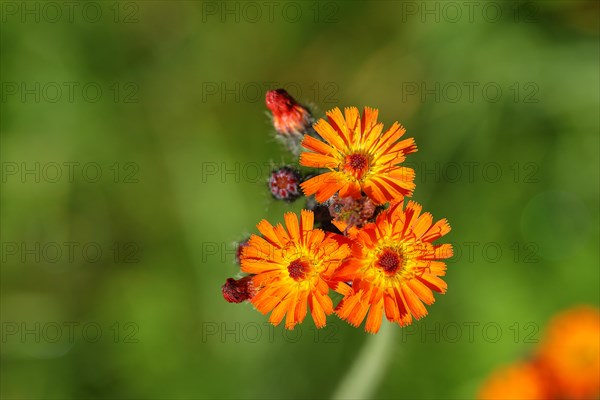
{"x": 135, "y": 148}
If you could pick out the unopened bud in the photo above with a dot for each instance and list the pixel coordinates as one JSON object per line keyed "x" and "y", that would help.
{"x": 290, "y": 119}
{"x": 284, "y": 184}
{"x": 354, "y": 212}
{"x": 237, "y": 291}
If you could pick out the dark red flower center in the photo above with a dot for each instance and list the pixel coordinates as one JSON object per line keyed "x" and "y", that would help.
{"x": 283, "y": 181}
{"x": 357, "y": 164}
{"x": 297, "y": 269}
{"x": 390, "y": 261}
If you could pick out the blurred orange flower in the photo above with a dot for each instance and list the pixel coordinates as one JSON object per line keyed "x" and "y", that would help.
{"x": 292, "y": 267}
{"x": 393, "y": 267}
{"x": 570, "y": 352}
{"x": 519, "y": 381}
{"x": 359, "y": 157}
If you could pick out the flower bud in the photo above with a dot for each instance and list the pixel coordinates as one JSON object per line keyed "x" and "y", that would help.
{"x": 353, "y": 212}
{"x": 237, "y": 291}
{"x": 284, "y": 184}
{"x": 290, "y": 119}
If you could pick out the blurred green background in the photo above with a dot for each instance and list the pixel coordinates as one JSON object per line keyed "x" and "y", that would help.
{"x": 135, "y": 149}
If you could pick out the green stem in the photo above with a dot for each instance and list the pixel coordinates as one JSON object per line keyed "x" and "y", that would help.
{"x": 367, "y": 371}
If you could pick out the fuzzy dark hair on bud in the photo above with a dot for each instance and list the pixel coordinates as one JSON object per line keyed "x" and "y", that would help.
{"x": 237, "y": 291}
{"x": 284, "y": 184}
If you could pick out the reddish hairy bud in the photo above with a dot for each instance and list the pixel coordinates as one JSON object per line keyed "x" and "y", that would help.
{"x": 237, "y": 291}
{"x": 284, "y": 184}
{"x": 290, "y": 119}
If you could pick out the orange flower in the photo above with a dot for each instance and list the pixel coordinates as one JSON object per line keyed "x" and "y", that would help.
{"x": 394, "y": 267}
{"x": 292, "y": 268}
{"x": 359, "y": 157}
{"x": 520, "y": 381}
{"x": 570, "y": 352}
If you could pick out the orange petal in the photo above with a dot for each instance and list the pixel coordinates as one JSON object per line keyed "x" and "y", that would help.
{"x": 422, "y": 224}
{"x": 417, "y": 308}
{"x": 353, "y": 124}
{"x": 257, "y": 266}
{"x": 433, "y": 282}
{"x": 411, "y": 215}
{"x": 393, "y": 190}
{"x": 337, "y": 121}
{"x": 325, "y": 301}
{"x": 307, "y": 220}
{"x": 375, "y": 315}
{"x": 343, "y": 288}
{"x": 443, "y": 251}
{"x": 345, "y": 307}
{"x": 390, "y": 136}
{"x": 291, "y": 222}
{"x": 323, "y": 186}
{"x": 265, "y": 300}
{"x": 316, "y": 311}
{"x": 351, "y": 189}
{"x": 257, "y": 248}
{"x": 348, "y": 271}
{"x": 317, "y": 146}
{"x": 279, "y": 312}
{"x": 300, "y": 311}
{"x": 267, "y": 231}
{"x": 328, "y": 133}
{"x": 392, "y": 312}
{"x": 402, "y": 174}
{"x": 405, "y": 315}
{"x": 290, "y": 320}
{"x": 369, "y": 119}
{"x": 375, "y": 192}
{"x": 314, "y": 240}
{"x": 359, "y": 311}
{"x": 436, "y": 231}
{"x": 395, "y": 153}
{"x": 436, "y": 268}
{"x": 317, "y": 160}
{"x": 421, "y": 290}
{"x": 282, "y": 234}
{"x": 265, "y": 278}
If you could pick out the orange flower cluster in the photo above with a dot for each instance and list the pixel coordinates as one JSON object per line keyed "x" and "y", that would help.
{"x": 355, "y": 237}
{"x": 565, "y": 366}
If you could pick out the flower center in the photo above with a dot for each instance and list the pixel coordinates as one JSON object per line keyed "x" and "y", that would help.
{"x": 357, "y": 165}
{"x": 390, "y": 261}
{"x": 283, "y": 181}
{"x": 297, "y": 269}
{"x": 284, "y": 184}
